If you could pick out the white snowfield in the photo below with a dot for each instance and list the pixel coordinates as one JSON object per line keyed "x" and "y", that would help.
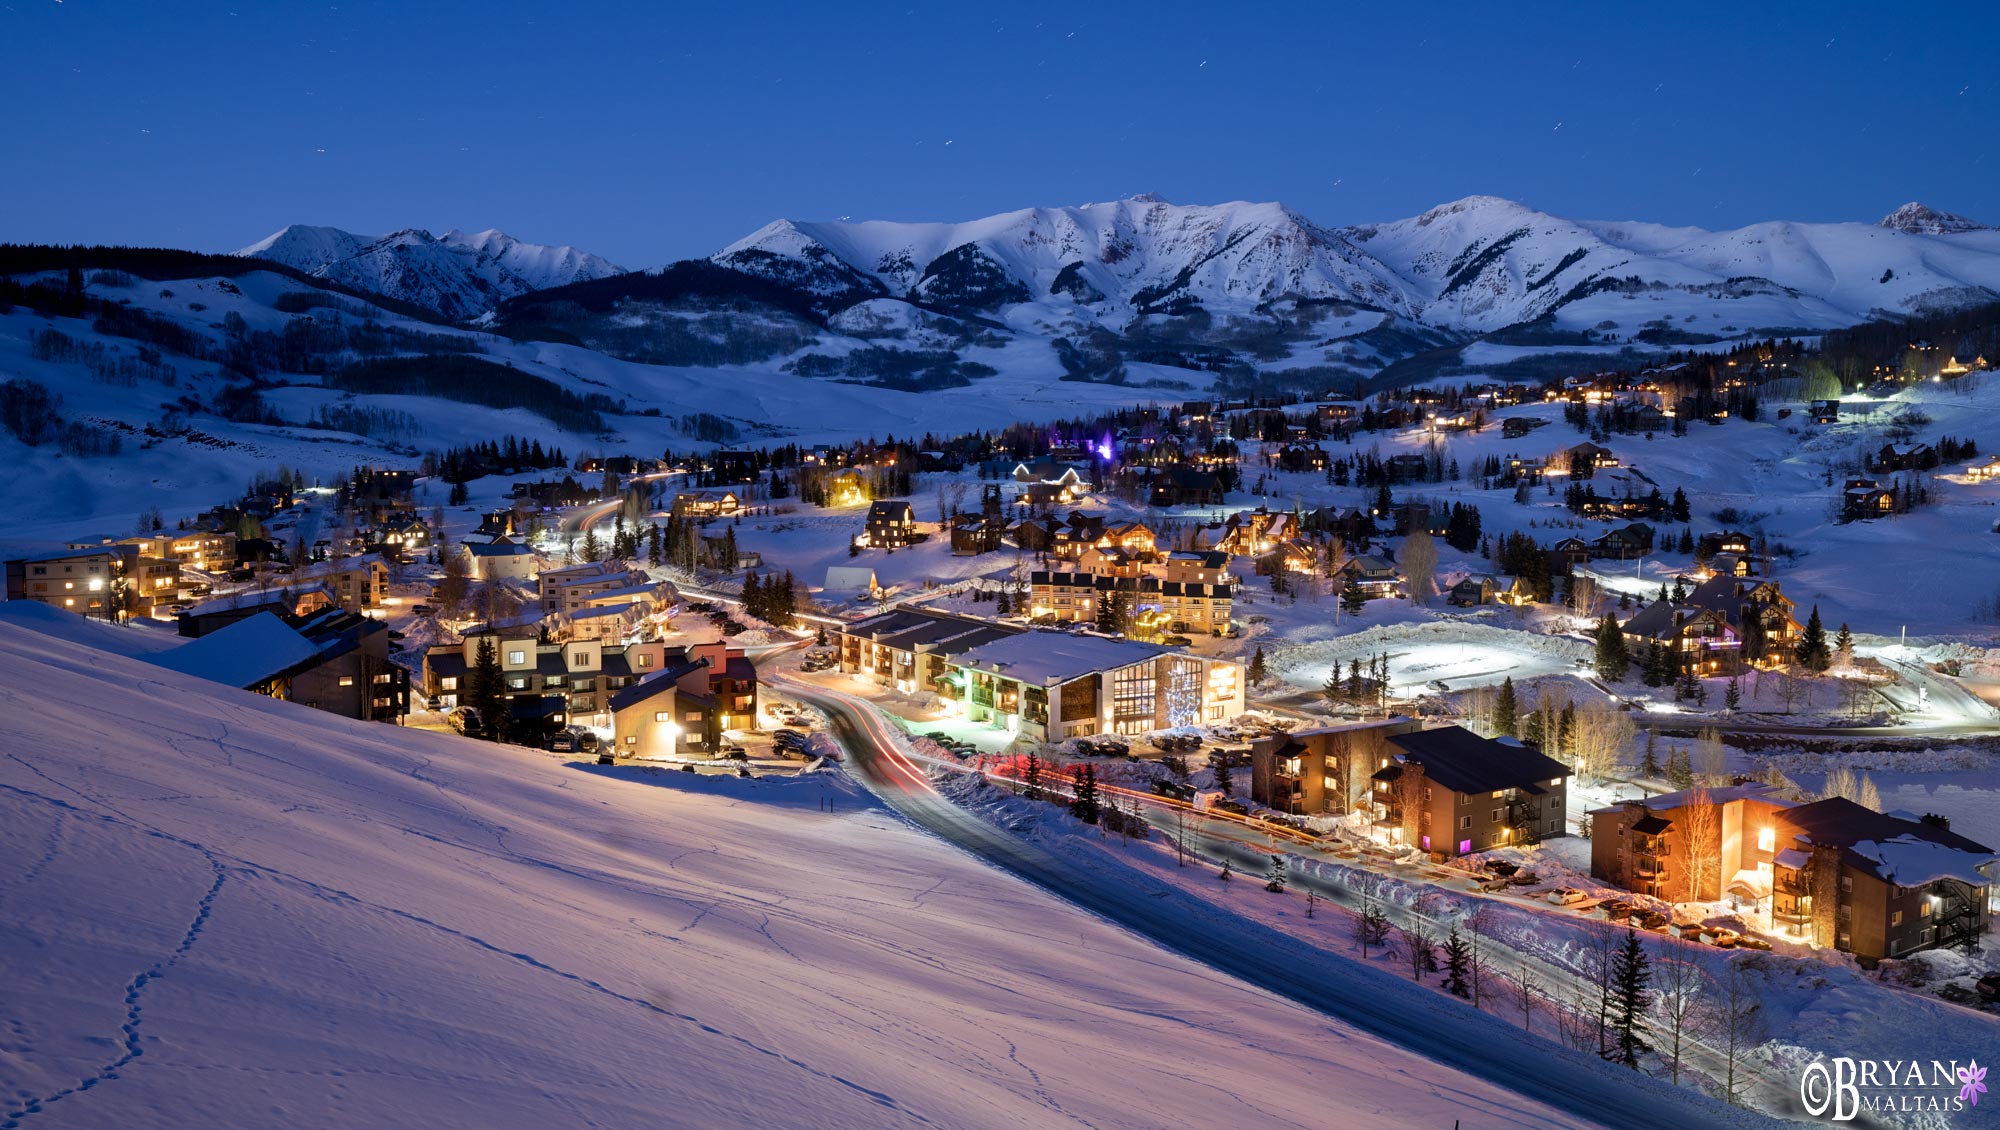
{"x": 228, "y": 911}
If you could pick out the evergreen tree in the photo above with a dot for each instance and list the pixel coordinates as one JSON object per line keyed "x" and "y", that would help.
{"x": 1111, "y": 612}
{"x": 653, "y": 552}
{"x": 1457, "y": 964}
{"x": 1612, "y": 659}
{"x": 486, "y": 690}
{"x": 591, "y": 550}
{"x": 1813, "y": 653}
{"x": 1352, "y": 599}
{"x": 1843, "y": 649}
{"x": 1220, "y": 764}
{"x": 1031, "y": 777}
{"x": 1732, "y": 696}
{"x": 1680, "y": 768}
{"x": 1276, "y": 879}
{"x": 1335, "y": 690}
{"x": 1084, "y": 805}
{"x": 753, "y": 597}
{"x": 1689, "y": 687}
{"x": 1256, "y": 672}
{"x": 1631, "y": 975}
{"x": 1651, "y": 765}
{"x": 1506, "y": 710}
{"x": 1002, "y": 606}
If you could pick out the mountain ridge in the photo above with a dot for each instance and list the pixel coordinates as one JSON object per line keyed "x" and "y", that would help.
{"x": 458, "y": 275}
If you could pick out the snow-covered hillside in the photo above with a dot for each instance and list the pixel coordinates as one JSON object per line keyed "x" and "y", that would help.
{"x": 458, "y": 275}
{"x": 1474, "y": 265}
{"x": 225, "y": 910}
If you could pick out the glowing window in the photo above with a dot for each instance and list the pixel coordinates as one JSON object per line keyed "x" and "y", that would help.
{"x": 1767, "y": 838}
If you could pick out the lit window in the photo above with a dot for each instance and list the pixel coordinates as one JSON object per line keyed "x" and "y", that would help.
{"x": 517, "y": 657}
{"x": 347, "y": 680}
{"x": 662, "y": 716}
{"x": 1767, "y": 838}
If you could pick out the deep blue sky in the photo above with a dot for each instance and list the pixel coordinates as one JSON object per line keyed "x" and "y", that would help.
{"x": 653, "y": 132}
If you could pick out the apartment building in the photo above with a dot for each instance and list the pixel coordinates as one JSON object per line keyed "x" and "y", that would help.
{"x": 1326, "y": 769}
{"x": 1695, "y": 845}
{"x": 110, "y": 582}
{"x": 1047, "y": 686}
{"x": 564, "y": 591}
{"x": 573, "y": 683}
{"x": 1452, "y": 792}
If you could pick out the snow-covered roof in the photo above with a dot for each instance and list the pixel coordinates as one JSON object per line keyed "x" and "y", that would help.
{"x": 849, "y": 578}
{"x": 251, "y": 598}
{"x": 1044, "y": 657}
{"x": 1348, "y": 727}
{"x": 243, "y": 654}
{"x": 1721, "y": 794}
{"x": 1910, "y": 861}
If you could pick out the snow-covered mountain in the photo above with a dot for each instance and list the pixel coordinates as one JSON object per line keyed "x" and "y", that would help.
{"x": 1474, "y": 265}
{"x": 459, "y": 275}
{"x": 1141, "y": 254}
{"x": 1922, "y": 219}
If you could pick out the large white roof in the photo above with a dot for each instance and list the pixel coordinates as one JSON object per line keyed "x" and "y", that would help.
{"x": 1042, "y": 657}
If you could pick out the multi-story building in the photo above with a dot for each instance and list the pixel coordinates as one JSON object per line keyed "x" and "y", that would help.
{"x": 202, "y": 549}
{"x": 1450, "y": 791}
{"x": 1690, "y": 846}
{"x": 573, "y": 683}
{"x": 1830, "y": 872}
{"x": 565, "y": 590}
{"x": 908, "y": 648}
{"x": 1047, "y": 686}
{"x": 891, "y": 524}
{"x": 1877, "y": 885}
{"x": 108, "y": 582}
{"x": 1154, "y": 604}
{"x": 331, "y": 660}
{"x": 1323, "y": 769}
{"x": 357, "y": 583}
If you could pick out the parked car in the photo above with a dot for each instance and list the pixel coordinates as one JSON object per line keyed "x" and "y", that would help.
{"x": 422, "y": 610}
{"x": 465, "y": 720}
{"x": 1988, "y": 986}
{"x": 1651, "y": 921}
{"x": 1746, "y": 942}
{"x": 1567, "y": 896}
{"x": 562, "y": 741}
{"x": 587, "y": 742}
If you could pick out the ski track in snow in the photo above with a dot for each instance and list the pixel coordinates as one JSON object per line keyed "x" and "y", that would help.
{"x": 129, "y": 1031}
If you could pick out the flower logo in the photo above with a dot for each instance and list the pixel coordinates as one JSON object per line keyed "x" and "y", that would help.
{"x": 1973, "y": 1080}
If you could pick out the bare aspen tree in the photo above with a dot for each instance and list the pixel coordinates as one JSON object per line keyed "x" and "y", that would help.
{"x": 1711, "y": 758}
{"x": 1679, "y": 986}
{"x": 1701, "y": 835}
{"x": 1735, "y": 1024}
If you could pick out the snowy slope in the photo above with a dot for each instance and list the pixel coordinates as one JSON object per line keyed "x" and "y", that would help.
{"x": 225, "y": 910}
{"x": 1474, "y": 265}
{"x": 458, "y": 275}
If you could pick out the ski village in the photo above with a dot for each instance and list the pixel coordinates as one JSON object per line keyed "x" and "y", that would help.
{"x": 1596, "y": 713}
